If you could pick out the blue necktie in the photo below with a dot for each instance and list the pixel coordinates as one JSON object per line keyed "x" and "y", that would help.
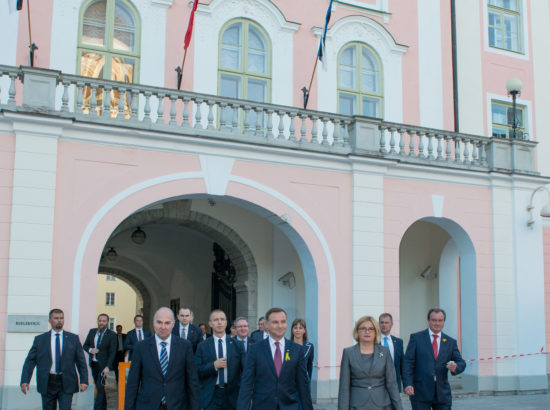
{"x": 163, "y": 364}
{"x": 386, "y": 341}
{"x": 57, "y": 354}
{"x": 221, "y": 378}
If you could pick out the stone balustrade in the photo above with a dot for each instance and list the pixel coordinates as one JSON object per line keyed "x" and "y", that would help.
{"x": 181, "y": 112}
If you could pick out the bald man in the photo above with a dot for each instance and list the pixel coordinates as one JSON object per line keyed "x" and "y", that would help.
{"x": 162, "y": 374}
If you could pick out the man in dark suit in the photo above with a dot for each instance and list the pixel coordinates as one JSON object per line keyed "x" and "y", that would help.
{"x": 219, "y": 362}
{"x": 205, "y": 335}
{"x": 135, "y": 335}
{"x": 162, "y": 374}
{"x": 120, "y": 352}
{"x": 260, "y": 333}
{"x": 393, "y": 343}
{"x": 241, "y": 324}
{"x": 187, "y": 330}
{"x": 101, "y": 346}
{"x": 275, "y": 375}
{"x": 56, "y": 354}
{"x": 430, "y": 355}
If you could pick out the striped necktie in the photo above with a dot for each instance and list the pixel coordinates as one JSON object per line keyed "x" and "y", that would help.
{"x": 163, "y": 364}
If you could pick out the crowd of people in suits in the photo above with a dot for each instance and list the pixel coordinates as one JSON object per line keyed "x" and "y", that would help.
{"x": 181, "y": 366}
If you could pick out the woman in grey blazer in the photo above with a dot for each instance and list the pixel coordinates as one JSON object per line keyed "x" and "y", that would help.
{"x": 367, "y": 373}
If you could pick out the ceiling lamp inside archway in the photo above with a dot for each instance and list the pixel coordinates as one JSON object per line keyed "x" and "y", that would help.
{"x": 138, "y": 236}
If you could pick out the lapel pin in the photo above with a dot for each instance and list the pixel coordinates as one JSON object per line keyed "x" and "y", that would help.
{"x": 287, "y": 357}
{"x": 381, "y": 354}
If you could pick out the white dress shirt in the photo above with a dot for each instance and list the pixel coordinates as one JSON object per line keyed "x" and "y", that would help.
{"x": 432, "y": 339}
{"x": 138, "y": 331}
{"x": 281, "y": 346}
{"x": 159, "y": 347}
{"x": 224, "y": 344}
{"x": 53, "y": 333}
{"x": 390, "y": 344}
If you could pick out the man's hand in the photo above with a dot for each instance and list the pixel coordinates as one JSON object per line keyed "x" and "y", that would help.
{"x": 451, "y": 366}
{"x": 105, "y": 372}
{"x": 83, "y": 387}
{"x": 94, "y": 351}
{"x": 24, "y": 387}
{"x": 220, "y": 363}
{"x": 409, "y": 390}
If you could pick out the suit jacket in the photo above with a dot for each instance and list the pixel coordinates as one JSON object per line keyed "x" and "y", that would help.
{"x": 261, "y": 386}
{"x": 107, "y": 348}
{"x": 208, "y": 375}
{"x": 132, "y": 339}
{"x": 309, "y": 354}
{"x": 257, "y": 336}
{"x": 248, "y": 340}
{"x": 146, "y": 385}
{"x": 367, "y": 386}
{"x": 420, "y": 366}
{"x": 194, "y": 334}
{"x": 398, "y": 359}
{"x": 40, "y": 356}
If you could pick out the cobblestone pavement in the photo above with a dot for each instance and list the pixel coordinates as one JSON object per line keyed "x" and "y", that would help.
{"x": 501, "y": 402}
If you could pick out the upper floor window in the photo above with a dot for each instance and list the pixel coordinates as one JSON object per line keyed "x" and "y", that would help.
{"x": 503, "y": 120}
{"x": 504, "y": 24}
{"x": 359, "y": 81}
{"x": 245, "y": 63}
{"x": 108, "y": 43}
{"x": 109, "y": 298}
{"x": 110, "y": 277}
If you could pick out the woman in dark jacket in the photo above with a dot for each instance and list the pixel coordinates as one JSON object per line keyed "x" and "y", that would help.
{"x": 299, "y": 335}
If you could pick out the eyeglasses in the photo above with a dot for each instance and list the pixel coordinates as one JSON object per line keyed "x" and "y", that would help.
{"x": 366, "y": 329}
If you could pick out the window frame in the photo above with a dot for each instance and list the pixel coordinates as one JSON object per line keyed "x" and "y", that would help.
{"x": 107, "y": 51}
{"x": 509, "y": 130}
{"x": 243, "y": 73}
{"x": 110, "y": 299}
{"x": 357, "y": 91}
{"x": 518, "y": 14}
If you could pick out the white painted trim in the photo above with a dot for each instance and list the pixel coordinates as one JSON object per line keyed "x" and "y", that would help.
{"x": 507, "y": 100}
{"x": 110, "y": 204}
{"x": 381, "y": 5}
{"x": 524, "y": 54}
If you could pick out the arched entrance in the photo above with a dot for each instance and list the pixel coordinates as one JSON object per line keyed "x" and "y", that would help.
{"x": 437, "y": 267}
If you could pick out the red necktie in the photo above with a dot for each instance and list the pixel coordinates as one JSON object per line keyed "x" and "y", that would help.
{"x": 278, "y": 359}
{"x": 434, "y": 345}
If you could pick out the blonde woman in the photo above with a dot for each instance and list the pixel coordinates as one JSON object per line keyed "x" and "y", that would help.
{"x": 367, "y": 373}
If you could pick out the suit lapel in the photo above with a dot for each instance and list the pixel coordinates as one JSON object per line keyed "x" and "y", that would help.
{"x": 428, "y": 340}
{"x": 288, "y": 353}
{"x": 49, "y": 345}
{"x": 172, "y": 357}
{"x": 155, "y": 354}
{"x": 269, "y": 357}
{"x": 442, "y": 346}
{"x": 212, "y": 348}
{"x": 65, "y": 344}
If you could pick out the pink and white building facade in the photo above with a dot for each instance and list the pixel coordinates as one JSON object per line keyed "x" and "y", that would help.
{"x": 400, "y": 188}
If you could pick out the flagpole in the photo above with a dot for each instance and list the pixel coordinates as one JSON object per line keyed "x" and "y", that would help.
{"x": 307, "y": 90}
{"x": 32, "y": 46}
{"x": 180, "y": 70}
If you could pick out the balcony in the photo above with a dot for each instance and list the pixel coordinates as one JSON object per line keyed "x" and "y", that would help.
{"x": 164, "y": 110}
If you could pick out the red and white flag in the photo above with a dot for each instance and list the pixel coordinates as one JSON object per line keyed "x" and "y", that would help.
{"x": 189, "y": 31}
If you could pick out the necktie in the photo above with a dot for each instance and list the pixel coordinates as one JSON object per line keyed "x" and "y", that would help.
{"x": 386, "y": 341}
{"x": 278, "y": 359}
{"x": 99, "y": 338}
{"x": 434, "y": 345}
{"x": 221, "y": 377}
{"x": 183, "y": 335}
{"x": 139, "y": 335}
{"x": 57, "y": 354}
{"x": 163, "y": 364}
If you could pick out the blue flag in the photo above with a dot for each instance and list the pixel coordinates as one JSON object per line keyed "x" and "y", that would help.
{"x": 322, "y": 51}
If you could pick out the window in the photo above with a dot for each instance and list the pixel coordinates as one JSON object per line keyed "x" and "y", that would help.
{"x": 110, "y": 298}
{"x": 359, "y": 81}
{"x": 244, "y": 65}
{"x": 503, "y": 119}
{"x": 504, "y": 24}
{"x": 110, "y": 277}
{"x": 108, "y": 44}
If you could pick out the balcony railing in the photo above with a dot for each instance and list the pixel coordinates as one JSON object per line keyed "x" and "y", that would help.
{"x": 181, "y": 112}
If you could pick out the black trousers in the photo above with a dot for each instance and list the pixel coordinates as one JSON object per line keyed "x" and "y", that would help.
{"x": 55, "y": 395}
{"x": 100, "y": 401}
{"x": 219, "y": 400}
{"x": 426, "y": 405}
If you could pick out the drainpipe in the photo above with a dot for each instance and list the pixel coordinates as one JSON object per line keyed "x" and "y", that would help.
{"x": 455, "y": 69}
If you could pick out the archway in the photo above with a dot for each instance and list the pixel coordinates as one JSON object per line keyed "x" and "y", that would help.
{"x": 437, "y": 267}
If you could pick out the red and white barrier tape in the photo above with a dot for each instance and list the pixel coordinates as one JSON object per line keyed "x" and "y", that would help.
{"x": 481, "y": 359}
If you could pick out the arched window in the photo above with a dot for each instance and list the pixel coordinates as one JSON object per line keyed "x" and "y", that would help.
{"x": 245, "y": 62}
{"x": 108, "y": 44}
{"x": 359, "y": 81}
